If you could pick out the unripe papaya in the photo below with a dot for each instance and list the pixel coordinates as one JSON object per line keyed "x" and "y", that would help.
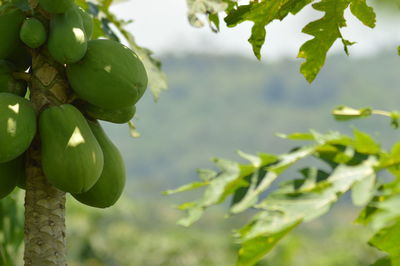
{"x": 87, "y": 22}
{"x": 17, "y": 126}
{"x": 110, "y": 75}
{"x": 33, "y": 33}
{"x": 8, "y": 83}
{"x": 67, "y": 41}
{"x": 56, "y": 7}
{"x": 10, "y": 173}
{"x": 72, "y": 159}
{"x": 117, "y": 116}
{"x": 11, "y": 19}
{"x": 110, "y": 185}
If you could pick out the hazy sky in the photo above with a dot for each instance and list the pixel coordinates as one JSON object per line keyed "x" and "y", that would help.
{"x": 162, "y": 26}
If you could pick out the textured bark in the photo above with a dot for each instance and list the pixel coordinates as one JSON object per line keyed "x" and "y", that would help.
{"x": 44, "y": 204}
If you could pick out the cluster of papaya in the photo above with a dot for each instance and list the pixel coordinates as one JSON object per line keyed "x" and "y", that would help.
{"x": 106, "y": 79}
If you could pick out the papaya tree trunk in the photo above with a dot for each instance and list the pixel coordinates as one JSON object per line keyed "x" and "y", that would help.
{"x": 44, "y": 231}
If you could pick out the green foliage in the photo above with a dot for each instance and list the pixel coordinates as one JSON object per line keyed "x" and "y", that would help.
{"x": 262, "y": 13}
{"x": 11, "y": 229}
{"x": 325, "y": 31}
{"x": 209, "y": 7}
{"x": 354, "y": 164}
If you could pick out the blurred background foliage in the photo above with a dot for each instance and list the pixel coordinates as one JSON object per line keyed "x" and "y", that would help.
{"x": 215, "y": 104}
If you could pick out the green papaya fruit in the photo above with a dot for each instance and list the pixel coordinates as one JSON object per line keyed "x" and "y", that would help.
{"x": 110, "y": 75}
{"x": 10, "y": 172}
{"x": 110, "y": 185}
{"x": 117, "y": 116}
{"x": 17, "y": 126}
{"x": 87, "y": 22}
{"x": 11, "y": 19}
{"x": 21, "y": 58}
{"x": 56, "y": 7}
{"x": 67, "y": 41}
{"x": 72, "y": 159}
{"x": 33, "y": 33}
{"x": 8, "y": 83}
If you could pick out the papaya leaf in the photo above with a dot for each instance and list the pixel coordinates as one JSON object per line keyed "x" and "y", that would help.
{"x": 205, "y": 7}
{"x": 230, "y": 177}
{"x": 263, "y": 13}
{"x": 254, "y": 160}
{"x": 363, "y": 12}
{"x": 106, "y": 3}
{"x": 214, "y": 22}
{"x": 382, "y": 210}
{"x": 285, "y": 161}
{"x": 83, "y": 3}
{"x": 286, "y": 208}
{"x": 255, "y": 249}
{"x": 327, "y": 30}
{"x": 109, "y": 33}
{"x": 363, "y": 143}
{"x": 253, "y": 180}
{"x": 347, "y": 113}
{"x": 206, "y": 174}
{"x": 187, "y": 187}
{"x": 363, "y": 190}
{"x": 93, "y": 9}
{"x": 387, "y": 240}
{"x": 385, "y": 261}
{"x": 394, "y": 119}
{"x": 297, "y": 136}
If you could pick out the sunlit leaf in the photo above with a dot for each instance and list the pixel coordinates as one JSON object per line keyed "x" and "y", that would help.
{"x": 363, "y": 12}
{"x": 273, "y": 172}
{"x": 261, "y": 13}
{"x": 286, "y": 207}
{"x": 187, "y": 187}
{"x": 363, "y": 191}
{"x": 364, "y": 143}
{"x": 387, "y": 240}
{"x": 347, "y": 113}
{"x": 325, "y": 32}
{"x": 205, "y": 7}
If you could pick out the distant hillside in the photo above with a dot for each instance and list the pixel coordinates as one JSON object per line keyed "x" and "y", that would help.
{"x": 218, "y": 104}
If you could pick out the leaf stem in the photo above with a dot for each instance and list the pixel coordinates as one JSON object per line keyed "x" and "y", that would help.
{"x": 381, "y": 112}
